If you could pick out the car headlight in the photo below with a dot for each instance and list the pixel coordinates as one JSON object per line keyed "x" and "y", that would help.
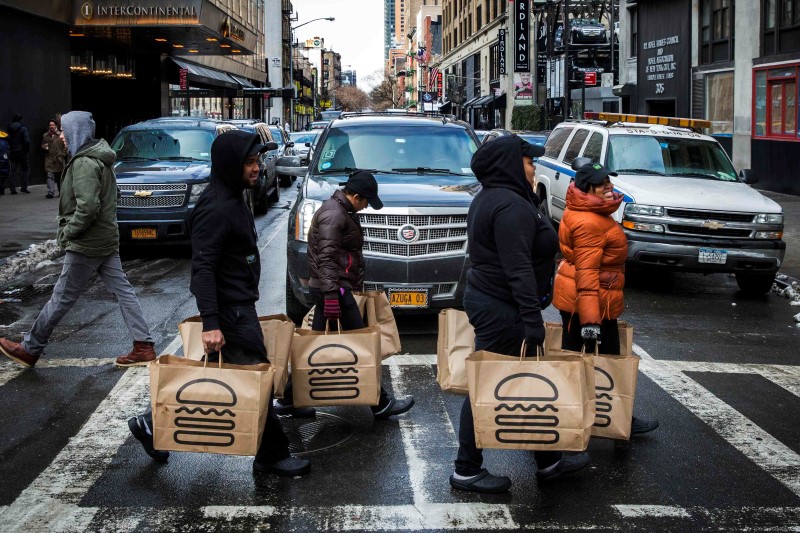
{"x": 771, "y": 235}
{"x": 648, "y": 210}
{"x": 769, "y": 218}
{"x": 194, "y": 194}
{"x": 302, "y": 222}
{"x": 642, "y": 226}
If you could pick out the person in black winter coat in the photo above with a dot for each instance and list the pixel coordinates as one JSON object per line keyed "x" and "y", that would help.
{"x": 20, "y": 144}
{"x": 512, "y": 247}
{"x": 226, "y": 268}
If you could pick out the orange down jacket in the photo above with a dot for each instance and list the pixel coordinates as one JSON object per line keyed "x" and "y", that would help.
{"x": 590, "y": 279}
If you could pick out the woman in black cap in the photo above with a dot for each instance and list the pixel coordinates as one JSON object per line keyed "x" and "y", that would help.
{"x": 511, "y": 250}
{"x": 335, "y": 242}
{"x": 590, "y": 279}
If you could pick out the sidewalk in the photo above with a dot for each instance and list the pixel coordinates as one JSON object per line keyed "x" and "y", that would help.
{"x": 27, "y": 219}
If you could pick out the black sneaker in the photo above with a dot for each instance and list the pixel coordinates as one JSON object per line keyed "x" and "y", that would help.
{"x": 566, "y": 465}
{"x": 290, "y": 467}
{"x": 394, "y": 407}
{"x": 287, "y": 409}
{"x": 141, "y": 430}
{"x": 482, "y": 482}
{"x": 641, "y": 425}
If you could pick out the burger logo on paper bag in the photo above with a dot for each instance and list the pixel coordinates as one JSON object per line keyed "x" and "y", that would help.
{"x": 603, "y": 382}
{"x": 207, "y": 421}
{"x": 333, "y": 381}
{"x": 515, "y": 422}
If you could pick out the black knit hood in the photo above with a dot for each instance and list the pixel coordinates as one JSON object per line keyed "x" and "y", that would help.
{"x": 498, "y": 164}
{"x": 228, "y": 152}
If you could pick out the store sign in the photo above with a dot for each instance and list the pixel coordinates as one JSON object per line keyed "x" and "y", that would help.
{"x": 439, "y": 85}
{"x": 590, "y": 78}
{"x": 183, "y": 74}
{"x": 501, "y": 48}
{"x": 315, "y": 42}
{"x": 230, "y": 30}
{"x": 522, "y": 32}
{"x": 149, "y": 13}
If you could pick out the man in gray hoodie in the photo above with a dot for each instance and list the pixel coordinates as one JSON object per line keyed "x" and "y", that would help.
{"x": 87, "y": 230}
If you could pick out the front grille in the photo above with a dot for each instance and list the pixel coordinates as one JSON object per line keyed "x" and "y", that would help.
{"x": 711, "y": 215}
{"x": 709, "y": 232}
{"x": 436, "y": 234}
{"x": 149, "y": 202}
{"x": 438, "y": 290}
{"x": 154, "y": 187}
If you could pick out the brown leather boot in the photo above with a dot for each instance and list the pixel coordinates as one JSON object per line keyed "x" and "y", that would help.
{"x": 15, "y": 351}
{"x": 141, "y": 355}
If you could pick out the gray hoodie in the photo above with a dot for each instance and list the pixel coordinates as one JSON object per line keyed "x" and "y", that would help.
{"x": 78, "y": 127}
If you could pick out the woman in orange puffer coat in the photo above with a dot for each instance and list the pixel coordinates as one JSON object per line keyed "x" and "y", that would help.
{"x": 590, "y": 279}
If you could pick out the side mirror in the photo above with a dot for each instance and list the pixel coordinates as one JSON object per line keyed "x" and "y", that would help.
{"x": 271, "y": 145}
{"x": 289, "y": 144}
{"x": 746, "y": 175}
{"x": 308, "y": 144}
{"x": 578, "y": 162}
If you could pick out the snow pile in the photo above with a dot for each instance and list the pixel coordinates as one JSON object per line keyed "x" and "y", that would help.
{"x": 28, "y": 260}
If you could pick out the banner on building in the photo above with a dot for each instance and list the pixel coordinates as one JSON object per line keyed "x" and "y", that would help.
{"x": 522, "y": 46}
{"x": 501, "y": 49}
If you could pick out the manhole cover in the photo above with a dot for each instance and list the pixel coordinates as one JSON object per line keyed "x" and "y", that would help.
{"x": 311, "y": 435}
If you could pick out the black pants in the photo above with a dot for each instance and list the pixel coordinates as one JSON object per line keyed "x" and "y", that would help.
{"x": 21, "y": 164}
{"x": 571, "y": 335}
{"x": 498, "y": 329}
{"x": 351, "y": 319}
{"x": 244, "y": 345}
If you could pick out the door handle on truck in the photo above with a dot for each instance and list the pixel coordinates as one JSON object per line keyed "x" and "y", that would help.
{"x": 558, "y": 174}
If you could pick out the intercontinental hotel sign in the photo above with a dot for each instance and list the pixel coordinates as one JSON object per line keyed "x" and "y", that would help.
{"x": 135, "y": 14}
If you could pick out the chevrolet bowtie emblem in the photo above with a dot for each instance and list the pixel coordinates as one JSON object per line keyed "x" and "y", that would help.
{"x": 143, "y": 194}
{"x": 712, "y": 224}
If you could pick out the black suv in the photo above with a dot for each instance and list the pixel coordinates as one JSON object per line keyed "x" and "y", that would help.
{"x": 162, "y": 166}
{"x": 415, "y": 248}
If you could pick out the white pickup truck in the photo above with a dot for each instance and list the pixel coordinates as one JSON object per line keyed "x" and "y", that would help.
{"x": 685, "y": 207}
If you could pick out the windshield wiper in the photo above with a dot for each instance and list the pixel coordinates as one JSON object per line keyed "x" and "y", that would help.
{"x": 353, "y": 169}
{"x": 182, "y": 158}
{"x": 640, "y": 171}
{"x": 700, "y": 175}
{"x": 429, "y": 170}
{"x": 136, "y": 158}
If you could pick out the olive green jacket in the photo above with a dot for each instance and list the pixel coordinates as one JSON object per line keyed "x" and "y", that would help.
{"x": 87, "y": 209}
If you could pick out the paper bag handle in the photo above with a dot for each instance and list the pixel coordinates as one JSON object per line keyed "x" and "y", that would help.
{"x": 328, "y": 326}
{"x": 539, "y": 351}
{"x": 219, "y": 362}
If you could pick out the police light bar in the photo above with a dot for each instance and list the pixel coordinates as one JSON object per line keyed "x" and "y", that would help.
{"x": 649, "y": 119}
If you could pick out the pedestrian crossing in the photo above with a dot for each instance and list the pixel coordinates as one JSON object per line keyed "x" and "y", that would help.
{"x": 53, "y": 501}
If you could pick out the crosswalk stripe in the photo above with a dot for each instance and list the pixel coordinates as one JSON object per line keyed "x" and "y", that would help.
{"x": 784, "y": 376}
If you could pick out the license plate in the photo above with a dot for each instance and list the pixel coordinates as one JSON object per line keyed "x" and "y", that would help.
{"x": 408, "y": 298}
{"x": 713, "y": 256}
{"x": 144, "y": 233}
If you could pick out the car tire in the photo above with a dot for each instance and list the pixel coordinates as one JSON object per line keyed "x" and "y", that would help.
{"x": 295, "y": 309}
{"x": 260, "y": 202}
{"x": 755, "y": 284}
{"x": 276, "y": 192}
{"x": 284, "y": 180}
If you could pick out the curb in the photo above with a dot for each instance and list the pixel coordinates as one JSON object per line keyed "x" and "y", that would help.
{"x": 786, "y": 281}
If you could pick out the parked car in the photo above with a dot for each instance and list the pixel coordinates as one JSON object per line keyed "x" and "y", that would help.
{"x": 284, "y": 145}
{"x": 162, "y": 167}
{"x": 415, "y": 248}
{"x": 481, "y": 134}
{"x": 303, "y": 141}
{"x": 268, "y": 189}
{"x": 586, "y": 31}
{"x": 317, "y": 125}
{"x": 684, "y": 207}
{"x": 532, "y": 137}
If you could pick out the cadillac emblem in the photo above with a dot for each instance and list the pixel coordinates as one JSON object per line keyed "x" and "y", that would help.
{"x": 143, "y": 194}
{"x": 408, "y": 233}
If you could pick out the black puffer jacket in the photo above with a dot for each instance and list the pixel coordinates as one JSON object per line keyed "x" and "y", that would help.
{"x": 511, "y": 244}
{"x": 334, "y": 247}
{"x": 225, "y": 261}
{"x": 18, "y": 139}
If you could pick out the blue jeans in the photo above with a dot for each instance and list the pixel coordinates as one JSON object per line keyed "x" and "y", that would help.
{"x": 498, "y": 329}
{"x": 73, "y": 282}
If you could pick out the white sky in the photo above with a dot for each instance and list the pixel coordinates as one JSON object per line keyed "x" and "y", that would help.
{"x": 356, "y": 34}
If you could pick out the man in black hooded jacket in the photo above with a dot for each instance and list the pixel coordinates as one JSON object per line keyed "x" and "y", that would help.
{"x": 226, "y": 268}
{"x": 511, "y": 248}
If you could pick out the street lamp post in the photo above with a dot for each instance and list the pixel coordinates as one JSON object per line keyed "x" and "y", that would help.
{"x": 291, "y": 65}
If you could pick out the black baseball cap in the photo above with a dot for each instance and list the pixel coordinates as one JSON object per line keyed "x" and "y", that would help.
{"x": 532, "y": 150}
{"x": 363, "y": 182}
{"x": 591, "y": 174}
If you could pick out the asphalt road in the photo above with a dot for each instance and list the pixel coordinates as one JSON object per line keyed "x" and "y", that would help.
{"x": 719, "y": 371}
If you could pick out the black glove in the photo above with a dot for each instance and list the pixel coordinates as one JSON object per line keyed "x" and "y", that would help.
{"x": 534, "y": 338}
{"x": 591, "y": 332}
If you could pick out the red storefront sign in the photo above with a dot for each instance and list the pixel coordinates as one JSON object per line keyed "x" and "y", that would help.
{"x": 184, "y": 72}
{"x": 590, "y": 78}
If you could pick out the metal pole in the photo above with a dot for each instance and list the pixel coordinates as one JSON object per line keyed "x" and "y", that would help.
{"x": 583, "y": 94}
{"x": 291, "y": 80}
{"x": 566, "y": 35}
{"x": 611, "y": 38}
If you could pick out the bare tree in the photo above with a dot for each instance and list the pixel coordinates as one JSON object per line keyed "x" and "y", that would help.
{"x": 384, "y": 91}
{"x": 351, "y": 98}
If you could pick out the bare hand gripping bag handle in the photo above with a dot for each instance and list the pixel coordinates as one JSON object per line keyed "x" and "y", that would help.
{"x": 216, "y": 408}
{"x": 536, "y": 403}
{"x": 456, "y": 340}
{"x": 336, "y": 368}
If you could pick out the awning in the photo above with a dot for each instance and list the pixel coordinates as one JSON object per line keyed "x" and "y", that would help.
{"x": 481, "y": 102}
{"x": 207, "y": 75}
{"x": 244, "y": 82}
{"x": 470, "y": 102}
{"x": 446, "y": 108}
{"x": 497, "y": 102}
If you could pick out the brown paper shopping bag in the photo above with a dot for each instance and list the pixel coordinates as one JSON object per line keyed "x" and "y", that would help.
{"x": 308, "y": 320}
{"x": 455, "y": 342}
{"x": 535, "y": 403}
{"x": 336, "y": 368}
{"x": 615, "y": 383}
{"x": 218, "y": 408}
{"x": 278, "y": 332}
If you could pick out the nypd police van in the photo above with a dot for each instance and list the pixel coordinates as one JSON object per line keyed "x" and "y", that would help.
{"x": 684, "y": 208}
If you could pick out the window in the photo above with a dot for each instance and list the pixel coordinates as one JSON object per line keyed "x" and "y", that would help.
{"x": 775, "y": 103}
{"x": 478, "y": 18}
{"x": 634, "y": 18}
{"x": 719, "y": 102}
{"x": 574, "y": 147}
{"x": 716, "y": 31}
{"x": 555, "y": 142}
{"x": 494, "y": 63}
{"x": 780, "y": 26}
{"x": 594, "y": 147}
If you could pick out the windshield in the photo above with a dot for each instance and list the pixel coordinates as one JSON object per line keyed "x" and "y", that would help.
{"x": 276, "y": 135}
{"x": 533, "y": 139}
{"x": 399, "y": 148}
{"x": 303, "y": 137}
{"x": 669, "y": 156}
{"x": 164, "y": 144}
